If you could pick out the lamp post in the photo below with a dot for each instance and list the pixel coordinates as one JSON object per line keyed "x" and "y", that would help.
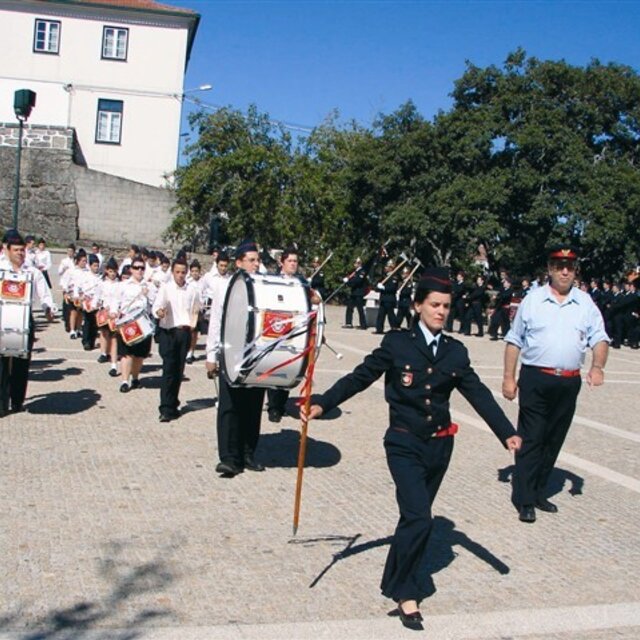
{"x": 23, "y": 101}
{"x": 182, "y": 97}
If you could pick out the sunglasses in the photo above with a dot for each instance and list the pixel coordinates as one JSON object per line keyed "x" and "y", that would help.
{"x": 138, "y": 267}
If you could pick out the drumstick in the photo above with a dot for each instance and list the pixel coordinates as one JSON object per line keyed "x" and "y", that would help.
{"x": 337, "y": 354}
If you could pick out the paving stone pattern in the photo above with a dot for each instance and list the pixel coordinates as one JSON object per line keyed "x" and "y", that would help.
{"x": 112, "y": 520}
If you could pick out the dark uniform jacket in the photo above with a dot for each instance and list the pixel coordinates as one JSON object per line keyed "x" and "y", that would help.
{"x": 388, "y": 294}
{"x": 477, "y": 294}
{"x": 418, "y": 386}
{"x": 357, "y": 282}
{"x": 405, "y": 296}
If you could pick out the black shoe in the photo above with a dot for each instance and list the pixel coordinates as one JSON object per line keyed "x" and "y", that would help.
{"x": 190, "y": 360}
{"x": 363, "y": 328}
{"x": 228, "y": 469}
{"x": 175, "y": 414}
{"x": 17, "y": 408}
{"x": 87, "y": 347}
{"x": 411, "y": 620}
{"x": 347, "y": 326}
{"x": 275, "y": 415}
{"x": 545, "y": 505}
{"x": 135, "y": 383}
{"x": 102, "y": 358}
{"x": 73, "y": 335}
{"x": 125, "y": 388}
{"x": 165, "y": 417}
{"x": 493, "y": 338}
{"x": 527, "y": 513}
{"x": 113, "y": 373}
{"x": 251, "y": 464}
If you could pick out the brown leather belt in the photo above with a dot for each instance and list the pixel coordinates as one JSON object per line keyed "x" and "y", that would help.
{"x": 561, "y": 373}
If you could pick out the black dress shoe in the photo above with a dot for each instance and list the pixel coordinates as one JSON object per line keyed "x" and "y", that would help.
{"x": 165, "y": 417}
{"x": 102, "y": 358}
{"x": 124, "y": 388}
{"x": 545, "y": 505}
{"x": 275, "y": 415}
{"x": 527, "y": 513}
{"x": 135, "y": 383}
{"x": 113, "y": 373}
{"x": 411, "y": 620}
{"x": 251, "y": 464}
{"x": 228, "y": 469}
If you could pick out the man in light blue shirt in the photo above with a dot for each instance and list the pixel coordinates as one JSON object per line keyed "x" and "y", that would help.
{"x": 551, "y": 332}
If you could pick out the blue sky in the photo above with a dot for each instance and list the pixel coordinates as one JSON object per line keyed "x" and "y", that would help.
{"x": 299, "y": 60}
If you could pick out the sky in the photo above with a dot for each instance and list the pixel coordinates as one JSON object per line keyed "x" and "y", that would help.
{"x": 300, "y": 60}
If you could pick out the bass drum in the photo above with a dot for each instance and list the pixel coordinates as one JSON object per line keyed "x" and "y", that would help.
{"x": 265, "y": 331}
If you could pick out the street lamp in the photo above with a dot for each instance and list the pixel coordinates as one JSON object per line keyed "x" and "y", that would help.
{"x": 23, "y": 101}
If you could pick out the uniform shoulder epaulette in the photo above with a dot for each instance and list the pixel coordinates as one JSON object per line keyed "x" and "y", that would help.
{"x": 449, "y": 338}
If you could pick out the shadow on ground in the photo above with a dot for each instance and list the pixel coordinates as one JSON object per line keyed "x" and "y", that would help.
{"x": 281, "y": 450}
{"x": 444, "y": 537}
{"x": 64, "y": 402}
{"x": 118, "y": 615}
{"x": 557, "y": 480}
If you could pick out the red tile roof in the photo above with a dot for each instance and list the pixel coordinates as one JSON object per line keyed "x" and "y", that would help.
{"x": 139, "y": 5}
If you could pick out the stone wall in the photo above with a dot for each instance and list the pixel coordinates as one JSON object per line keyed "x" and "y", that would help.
{"x": 63, "y": 200}
{"x": 116, "y": 212}
{"x": 48, "y": 204}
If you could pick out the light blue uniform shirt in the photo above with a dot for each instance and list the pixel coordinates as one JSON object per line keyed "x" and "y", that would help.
{"x": 553, "y": 334}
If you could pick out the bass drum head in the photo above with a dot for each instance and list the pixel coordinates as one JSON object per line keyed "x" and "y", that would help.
{"x": 236, "y": 330}
{"x": 320, "y": 323}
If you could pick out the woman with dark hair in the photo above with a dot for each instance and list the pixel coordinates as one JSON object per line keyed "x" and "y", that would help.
{"x": 422, "y": 367}
{"x": 136, "y": 297}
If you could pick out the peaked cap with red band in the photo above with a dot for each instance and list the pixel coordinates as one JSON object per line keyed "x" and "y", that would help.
{"x": 435, "y": 279}
{"x": 563, "y": 252}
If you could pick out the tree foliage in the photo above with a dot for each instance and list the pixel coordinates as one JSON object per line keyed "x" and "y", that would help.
{"x": 531, "y": 152}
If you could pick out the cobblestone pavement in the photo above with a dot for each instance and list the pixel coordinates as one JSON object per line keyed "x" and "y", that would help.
{"x": 114, "y": 525}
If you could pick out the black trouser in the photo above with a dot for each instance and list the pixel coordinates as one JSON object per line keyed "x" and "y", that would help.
{"x": 239, "y": 413}
{"x": 66, "y": 314}
{"x": 89, "y": 328}
{"x": 457, "y": 312}
{"x": 499, "y": 320}
{"x": 277, "y": 399}
{"x": 357, "y": 302}
{"x": 547, "y": 405}
{"x": 45, "y": 273}
{"x": 386, "y": 310}
{"x": 417, "y": 467}
{"x": 173, "y": 345}
{"x": 404, "y": 313}
{"x": 14, "y": 376}
{"x": 474, "y": 314}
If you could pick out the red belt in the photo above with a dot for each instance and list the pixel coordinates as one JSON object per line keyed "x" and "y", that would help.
{"x": 451, "y": 430}
{"x": 561, "y": 373}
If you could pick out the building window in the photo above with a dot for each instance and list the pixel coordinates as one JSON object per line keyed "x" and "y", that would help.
{"x": 109, "y": 124}
{"x": 46, "y": 36}
{"x": 114, "y": 43}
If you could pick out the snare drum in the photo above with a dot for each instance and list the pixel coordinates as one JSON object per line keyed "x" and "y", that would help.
{"x": 15, "y": 313}
{"x": 259, "y": 312}
{"x": 135, "y": 328}
{"x": 102, "y": 317}
{"x": 89, "y": 304}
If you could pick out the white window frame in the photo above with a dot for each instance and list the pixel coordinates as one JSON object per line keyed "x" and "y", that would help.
{"x": 109, "y": 121}
{"x": 51, "y": 43}
{"x": 115, "y": 43}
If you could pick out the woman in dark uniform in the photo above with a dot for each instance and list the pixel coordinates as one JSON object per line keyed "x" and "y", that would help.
{"x": 419, "y": 379}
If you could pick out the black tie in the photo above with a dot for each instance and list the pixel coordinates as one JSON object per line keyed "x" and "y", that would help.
{"x": 434, "y": 347}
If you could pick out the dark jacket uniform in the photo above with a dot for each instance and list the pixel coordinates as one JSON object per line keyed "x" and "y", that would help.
{"x": 387, "y": 304}
{"x": 417, "y": 387}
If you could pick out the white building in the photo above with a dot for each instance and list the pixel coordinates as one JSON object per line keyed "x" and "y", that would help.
{"x": 111, "y": 69}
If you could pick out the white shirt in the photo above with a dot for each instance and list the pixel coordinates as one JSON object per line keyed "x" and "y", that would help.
{"x": 43, "y": 259}
{"x": 108, "y": 294}
{"x": 65, "y": 265}
{"x": 134, "y": 297}
{"x": 180, "y": 304}
{"x": 217, "y": 295}
{"x": 40, "y": 286}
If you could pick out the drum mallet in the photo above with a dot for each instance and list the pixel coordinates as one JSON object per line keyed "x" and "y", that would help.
{"x": 337, "y": 354}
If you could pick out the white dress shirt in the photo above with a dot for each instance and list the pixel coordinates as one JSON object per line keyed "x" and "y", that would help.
{"x": 180, "y": 304}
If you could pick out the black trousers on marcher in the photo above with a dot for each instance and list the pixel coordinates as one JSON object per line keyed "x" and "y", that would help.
{"x": 238, "y": 422}
{"x": 386, "y": 309}
{"x": 356, "y": 302}
{"x": 417, "y": 467}
{"x": 14, "y": 376}
{"x": 173, "y": 345}
{"x": 89, "y": 328}
{"x": 547, "y": 405}
{"x": 277, "y": 399}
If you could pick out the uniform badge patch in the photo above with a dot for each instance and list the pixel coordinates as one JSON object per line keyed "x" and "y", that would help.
{"x": 406, "y": 378}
